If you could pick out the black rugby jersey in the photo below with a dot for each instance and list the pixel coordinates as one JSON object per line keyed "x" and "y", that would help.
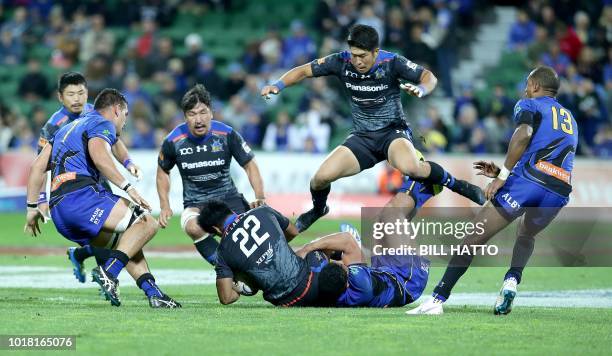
{"x": 204, "y": 162}
{"x": 375, "y": 95}
{"x": 254, "y": 247}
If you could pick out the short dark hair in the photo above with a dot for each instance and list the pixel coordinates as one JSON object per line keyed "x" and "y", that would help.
{"x": 70, "y": 78}
{"x": 212, "y": 214}
{"x": 364, "y": 37}
{"x": 332, "y": 283}
{"x": 195, "y": 95}
{"x": 547, "y": 78}
{"x": 109, "y": 97}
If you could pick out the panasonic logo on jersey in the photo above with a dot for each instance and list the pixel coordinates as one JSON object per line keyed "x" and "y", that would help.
{"x": 215, "y": 163}
{"x": 367, "y": 87}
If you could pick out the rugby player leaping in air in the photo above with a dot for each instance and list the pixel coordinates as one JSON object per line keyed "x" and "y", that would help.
{"x": 372, "y": 79}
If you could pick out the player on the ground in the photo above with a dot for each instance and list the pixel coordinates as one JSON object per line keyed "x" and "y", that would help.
{"x": 391, "y": 280}
{"x": 372, "y": 80}
{"x": 410, "y": 197}
{"x": 537, "y": 185}
{"x": 72, "y": 94}
{"x": 254, "y": 248}
{"x": 202, "y": 149}
{"x": 350, "y": 283}
{"x": 85, "y": 212}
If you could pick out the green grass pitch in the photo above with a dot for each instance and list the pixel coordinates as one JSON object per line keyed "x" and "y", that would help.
{"x": 253, "y": 327}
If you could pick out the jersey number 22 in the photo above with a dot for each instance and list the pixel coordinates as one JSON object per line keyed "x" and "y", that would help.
{"x": 252, "y": 224}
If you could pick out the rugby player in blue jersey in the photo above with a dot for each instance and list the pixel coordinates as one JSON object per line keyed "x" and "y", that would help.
{"x": 372, "y": 79}
{"x": 83, "y": 211}
{"x": 72, "y": 94}
{"x": 390, "y": 281}
{"x": 534, "y": 182}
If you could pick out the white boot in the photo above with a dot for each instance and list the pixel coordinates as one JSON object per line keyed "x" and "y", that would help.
{"x": 503, "y": 304}
{"x": 432, "y": 306}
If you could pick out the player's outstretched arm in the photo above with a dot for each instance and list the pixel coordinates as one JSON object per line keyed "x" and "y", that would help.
{"x": 252, "y": 171}
{"x": 100, "y": 152}
{"x": 35, "y": 179}
{"x": 163, "y": 191}
{"x": 120, "y": 152}
{"x": 225, "y": 291}
{"x": 518, "y": 143}
{"x": 292, "y": 77}
{"x": 341, "y": 241}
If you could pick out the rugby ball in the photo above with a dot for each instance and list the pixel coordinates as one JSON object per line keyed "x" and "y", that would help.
{"x": 243, "y": 289}
{"x": 244, "y": 286}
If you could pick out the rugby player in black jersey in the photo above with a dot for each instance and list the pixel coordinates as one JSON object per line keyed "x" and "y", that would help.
{"x": 202, "y": 149}
{"x": 373, "y": 79}
{"x": 254, "y": 249}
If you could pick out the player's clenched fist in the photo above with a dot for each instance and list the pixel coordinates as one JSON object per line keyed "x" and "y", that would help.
{"x": 135, "y": 171}
{"x": 269, "y": 89}
{"x": 415, "y": 90}
{"x": 257, "y": 203}
{"x": 164, "y": 217}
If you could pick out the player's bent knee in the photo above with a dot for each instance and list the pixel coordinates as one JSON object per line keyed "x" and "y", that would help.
{"x": 148, "y": 225}
{"x": 322, "y": 179}
{"x": 401, "y": 200}
{"x": 407, "y": 168}
{"x": 193, "y": 230}
{"x": 152, "y": 224}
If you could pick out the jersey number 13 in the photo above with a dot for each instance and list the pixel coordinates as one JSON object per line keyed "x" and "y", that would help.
{"x": 566, "y": 124}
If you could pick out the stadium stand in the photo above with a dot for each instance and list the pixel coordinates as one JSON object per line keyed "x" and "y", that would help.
{"x": 234, "y": 47}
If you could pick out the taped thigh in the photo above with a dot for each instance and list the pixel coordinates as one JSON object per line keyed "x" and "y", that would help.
{"x": 132, "y": 215}
{"x": 186, "y": 216}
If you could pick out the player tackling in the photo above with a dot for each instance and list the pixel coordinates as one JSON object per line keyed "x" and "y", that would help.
{"x": 72, "y": 93}
{"x": 254, "y": 248}
{"x": 371, "y": 77}
{"x": 84, "y": 211}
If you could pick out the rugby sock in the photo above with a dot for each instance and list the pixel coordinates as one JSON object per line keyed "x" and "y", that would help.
{"x": 81, "y": 253}
{"x": 101, "y": 254}
{"x": 456, "y": 268}
{"x": 207, "y": 247}
{"x": 523, "y": 248}
{"x": 439, "y": 175}
{"x": 319, "y": 197}
{"x": 146, "y": 282}
{"x": 115, "y": 263}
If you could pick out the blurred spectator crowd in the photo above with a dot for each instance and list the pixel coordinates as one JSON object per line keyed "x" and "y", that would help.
{"x": 154, "y": 67}
{"x": 571, "y": 36}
